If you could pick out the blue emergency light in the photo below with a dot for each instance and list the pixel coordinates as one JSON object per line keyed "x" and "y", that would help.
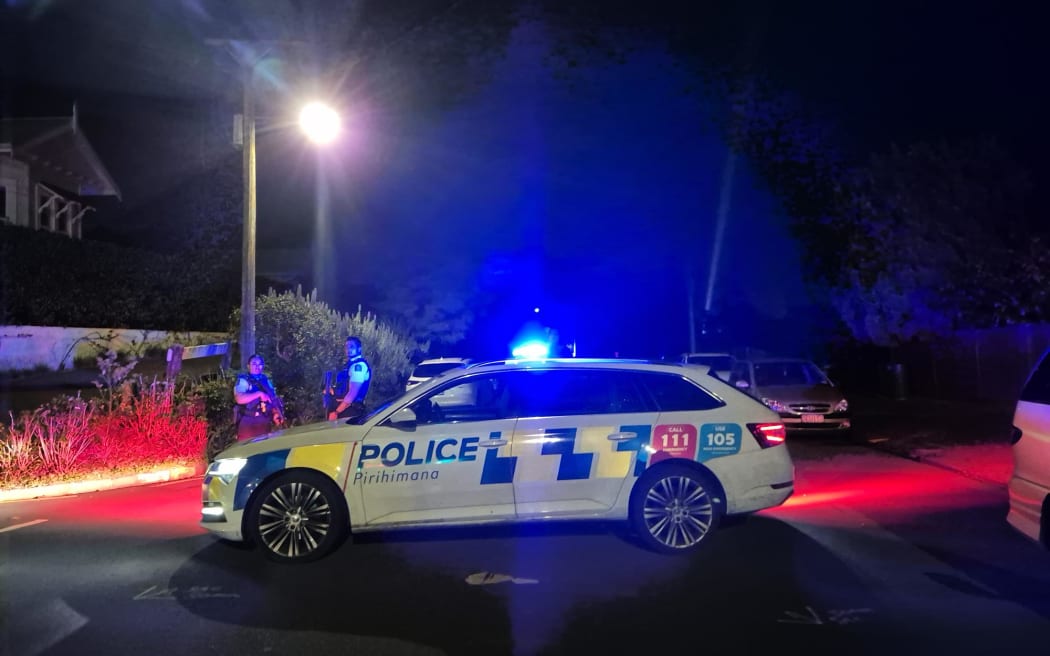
{"x": 531, "y": 350}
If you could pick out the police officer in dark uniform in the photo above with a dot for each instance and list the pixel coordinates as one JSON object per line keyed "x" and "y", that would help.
{"x": 351, "y": 383}
{"x": 259, "y": 409}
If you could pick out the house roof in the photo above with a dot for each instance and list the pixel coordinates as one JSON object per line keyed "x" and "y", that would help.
{"x": 59, "y": 153}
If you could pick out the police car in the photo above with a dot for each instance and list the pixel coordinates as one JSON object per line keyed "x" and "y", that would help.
{"x": 667, "y": 447}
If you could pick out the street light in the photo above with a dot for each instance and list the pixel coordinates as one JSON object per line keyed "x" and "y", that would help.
{"x": 322, "y": 125}
{"x": 320, "y": 122}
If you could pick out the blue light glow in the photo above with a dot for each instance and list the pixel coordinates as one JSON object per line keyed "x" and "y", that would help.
{"x": 531, "y": 351}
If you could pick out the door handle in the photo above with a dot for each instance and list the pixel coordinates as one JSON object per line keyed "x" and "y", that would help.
{"x": 620, "y": 437}
{"x": 490, "y": 444}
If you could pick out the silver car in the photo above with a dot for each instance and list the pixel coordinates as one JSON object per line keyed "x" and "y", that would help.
{"x": 796, "y": 389}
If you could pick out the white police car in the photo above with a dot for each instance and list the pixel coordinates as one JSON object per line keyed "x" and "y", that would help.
{"x": 665, "y": 446}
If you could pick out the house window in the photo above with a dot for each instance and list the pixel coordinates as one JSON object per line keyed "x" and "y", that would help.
{"x": 3, "y": 203}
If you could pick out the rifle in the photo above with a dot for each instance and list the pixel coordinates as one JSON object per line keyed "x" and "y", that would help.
{"x": 328, "y": 394}
{"x": 275, "y": 401}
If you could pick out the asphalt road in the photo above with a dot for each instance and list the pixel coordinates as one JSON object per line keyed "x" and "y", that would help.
{"x": 874, "y": 554}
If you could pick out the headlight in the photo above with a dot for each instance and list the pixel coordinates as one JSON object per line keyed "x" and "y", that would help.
{"x": 842, "y": 406}
{"x": 227, "y": 468}
{"x": 776, "y": 406}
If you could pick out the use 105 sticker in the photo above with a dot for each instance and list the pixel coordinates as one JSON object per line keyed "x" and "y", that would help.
{"x": 719, "y": 440}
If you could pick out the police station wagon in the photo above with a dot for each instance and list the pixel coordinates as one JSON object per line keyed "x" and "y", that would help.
{"x": 667, "y": 447}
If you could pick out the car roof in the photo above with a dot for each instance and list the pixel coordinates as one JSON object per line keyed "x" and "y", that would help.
{"x": 445, "y": 361}
{"x": 578, "y": 363}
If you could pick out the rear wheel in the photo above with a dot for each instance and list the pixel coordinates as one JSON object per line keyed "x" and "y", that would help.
{"x": 674, "y": 508}
{"x": 298, "y": 516}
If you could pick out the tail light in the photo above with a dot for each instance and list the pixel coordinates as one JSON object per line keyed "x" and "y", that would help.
{"x": 768, "y": 434}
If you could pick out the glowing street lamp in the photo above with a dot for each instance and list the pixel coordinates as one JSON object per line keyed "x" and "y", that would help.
{"x": 320, "y": 123}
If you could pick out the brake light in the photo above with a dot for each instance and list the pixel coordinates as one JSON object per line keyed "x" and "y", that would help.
{"x": 769, "y": 434}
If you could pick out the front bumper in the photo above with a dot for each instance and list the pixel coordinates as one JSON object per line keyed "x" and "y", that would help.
{"x": 834, "y": 421}
{"x": 217, "y": 513}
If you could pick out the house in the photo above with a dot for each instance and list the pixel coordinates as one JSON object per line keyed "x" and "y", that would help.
{"x": 47, "y": 171}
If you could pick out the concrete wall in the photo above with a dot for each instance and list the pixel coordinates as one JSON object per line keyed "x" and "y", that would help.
{"x": 30, "y": 347}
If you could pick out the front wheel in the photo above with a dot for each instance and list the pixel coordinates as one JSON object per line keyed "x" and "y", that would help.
{"x": 297, "y": 517}
{"x": 673, "y": 508}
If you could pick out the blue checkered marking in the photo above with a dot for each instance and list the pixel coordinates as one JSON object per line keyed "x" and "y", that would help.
{"x": 645, "y": 433}
{"x": 254, "y": 472}
{"x": 497, "y": 469}
{"x": 573, "y": 466}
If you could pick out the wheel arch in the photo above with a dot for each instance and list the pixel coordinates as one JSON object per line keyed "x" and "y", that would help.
{"x": 698, "y": 467}
{"x": 256, "y": 485}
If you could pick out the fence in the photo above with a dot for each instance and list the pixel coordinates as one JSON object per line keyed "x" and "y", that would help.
{"x": 990, "y": 364}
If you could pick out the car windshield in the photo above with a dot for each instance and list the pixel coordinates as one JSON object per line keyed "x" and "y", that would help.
{"x": 720, "y": 362}
{"x": 434, "y": 368}
{"x": 768, "y": 374}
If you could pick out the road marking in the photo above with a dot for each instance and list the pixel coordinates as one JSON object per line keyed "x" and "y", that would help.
{"x": 837, "y": 616}
{"x": 490, "y": 578}
{"x": 22, "y": 525}
{"x": 34, "y": 630}
{"x": 193, "y": 592}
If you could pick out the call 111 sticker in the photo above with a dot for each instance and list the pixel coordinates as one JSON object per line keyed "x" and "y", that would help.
{"x": 673, "y": 441}
{"x": 719, "y": 440}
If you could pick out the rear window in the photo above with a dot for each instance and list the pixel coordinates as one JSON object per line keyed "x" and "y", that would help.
{"x": 1037, "y": 389}
{"x": 435, "y": 368}
{"x": 675, "y": 394}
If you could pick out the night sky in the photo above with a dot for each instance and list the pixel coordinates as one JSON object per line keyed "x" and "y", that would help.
{"x": 585, "y": 190}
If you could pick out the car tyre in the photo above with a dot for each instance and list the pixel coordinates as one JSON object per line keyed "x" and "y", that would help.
{"x": 674, "y": 508}
{"x": 298, "y": 517}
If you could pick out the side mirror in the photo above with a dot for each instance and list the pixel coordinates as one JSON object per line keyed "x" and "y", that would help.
{"x": 404, "y": 419}
{"x": 742, "y": 384}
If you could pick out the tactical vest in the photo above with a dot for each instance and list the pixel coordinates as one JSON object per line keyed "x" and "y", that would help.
{"x": 342, "y": 384}
{"x": 258, "y": 406}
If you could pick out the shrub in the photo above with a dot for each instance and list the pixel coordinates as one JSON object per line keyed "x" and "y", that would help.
{"x": 64, "y": 433}
{"x": 301, "y": 338}
{"x": 212, "y": 398}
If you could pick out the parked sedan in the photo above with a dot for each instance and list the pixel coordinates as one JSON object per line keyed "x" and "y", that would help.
{"x": 797, "y": 390}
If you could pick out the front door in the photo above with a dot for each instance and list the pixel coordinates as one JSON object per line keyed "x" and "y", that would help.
{"x": 451, "y": 464}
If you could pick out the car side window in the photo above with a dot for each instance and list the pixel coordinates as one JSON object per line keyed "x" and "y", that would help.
{"x": 555, "y": 393}
{"x": 1037, "y": 388}
{"x": 471, "y": 398}
{"x": 674, "y": 393}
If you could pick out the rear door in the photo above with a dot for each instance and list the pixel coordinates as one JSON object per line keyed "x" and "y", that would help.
{"x": 693, "y": 423}
{"x": 578, "y": 437}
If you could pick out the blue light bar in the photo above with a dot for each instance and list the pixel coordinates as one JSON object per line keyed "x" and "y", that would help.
{"x": 531, "y": 351}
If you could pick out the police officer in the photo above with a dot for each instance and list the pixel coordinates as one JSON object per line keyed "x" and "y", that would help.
{"x": 259, "y": 409}
{"x": 355, "y": 376}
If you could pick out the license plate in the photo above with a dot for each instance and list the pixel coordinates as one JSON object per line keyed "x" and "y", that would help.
{"x": 812, "y": 419}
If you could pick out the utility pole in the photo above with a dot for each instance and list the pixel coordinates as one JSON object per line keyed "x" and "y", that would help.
{"x": 248, "y": 241}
